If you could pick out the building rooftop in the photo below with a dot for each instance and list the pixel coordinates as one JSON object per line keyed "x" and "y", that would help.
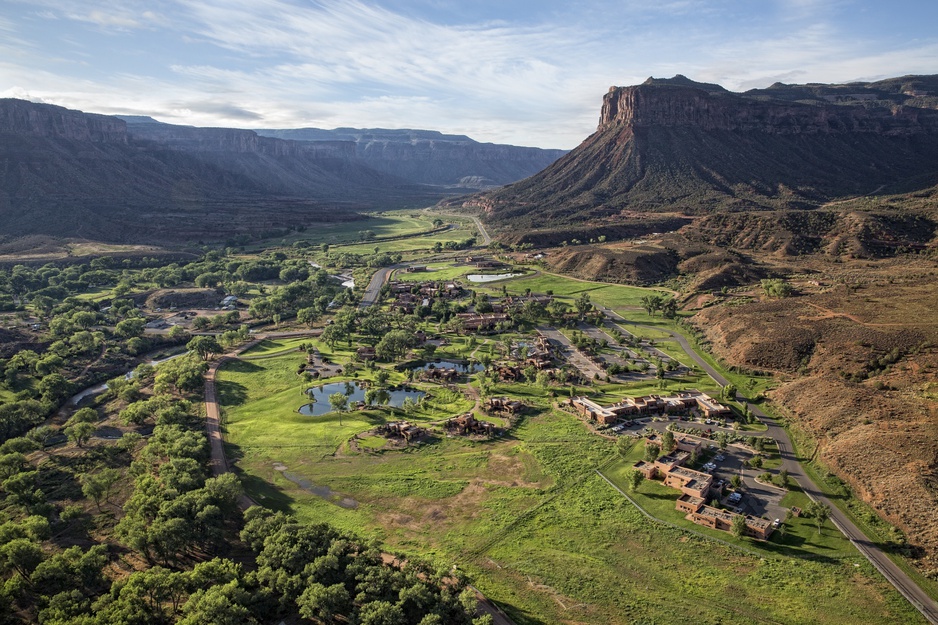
{"x": 716, "y": 513}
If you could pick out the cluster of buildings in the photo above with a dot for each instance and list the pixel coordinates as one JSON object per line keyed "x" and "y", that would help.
{"x": 467, "y": 425}
{"x": 407, "y": 296}
{"x": 441, "y": 375}
{"x": 681, "y": 403}
{"x": 402, "y": 429}
{"x": 504, "y": 405}
{"x": 695, "y": 486}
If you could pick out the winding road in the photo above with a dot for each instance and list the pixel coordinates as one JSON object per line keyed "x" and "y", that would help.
{"x": 871, "y": 550}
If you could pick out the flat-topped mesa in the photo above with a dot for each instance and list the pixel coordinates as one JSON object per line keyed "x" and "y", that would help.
{"x": 672, "y": 105}
{"x": 21, "y": 117}
{"x": 193, "y": 139}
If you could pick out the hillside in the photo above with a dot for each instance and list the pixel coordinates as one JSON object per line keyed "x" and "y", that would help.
{"x": 430, "y": 157}
{"x": 71, "y": 174}
{"x": 66, "y": 173}
{"x": 678, "y": 146}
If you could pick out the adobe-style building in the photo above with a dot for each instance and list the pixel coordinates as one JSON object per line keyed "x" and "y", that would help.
{"x": 681, "y": 403}
{"x": 467, "y": 424}
{"x": 675, "y": 475}
{"x": 504, "y": 404}
{"x": 689, "y": 482}
{"x": 717, "y": 519}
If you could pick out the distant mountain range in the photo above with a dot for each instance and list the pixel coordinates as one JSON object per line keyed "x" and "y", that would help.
{"x": 682, "y": 148}
{"x": 75, "y": 174}
{"x": 433, "y": 158}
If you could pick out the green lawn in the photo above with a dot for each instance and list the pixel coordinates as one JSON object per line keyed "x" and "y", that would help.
{"x": 526, "y": 515}
{"x": 268, "y": 347}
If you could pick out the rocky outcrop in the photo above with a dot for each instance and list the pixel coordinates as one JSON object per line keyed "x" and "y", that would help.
{"x": 675, "y": 106}
{"x": 19, "y": 117}
{"x": 676, "y": 146}
{"x": 430, "y": 157}
{"x": 192, "y": 139}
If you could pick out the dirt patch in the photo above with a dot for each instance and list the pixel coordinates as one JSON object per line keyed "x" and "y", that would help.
{"x": 856, "y": 360}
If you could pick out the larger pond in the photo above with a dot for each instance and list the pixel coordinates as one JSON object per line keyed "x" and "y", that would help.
{"x": 491, "y": 277}
{"x": 354, "y": 392}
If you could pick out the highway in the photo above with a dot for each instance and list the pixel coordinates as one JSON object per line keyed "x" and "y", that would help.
{"x": 872, "y": 551}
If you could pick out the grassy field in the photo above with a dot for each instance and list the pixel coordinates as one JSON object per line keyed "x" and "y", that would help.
{"x": 275, "y": 346}
{"x": 383, "y": 225}
{"x": 526, "y": 515}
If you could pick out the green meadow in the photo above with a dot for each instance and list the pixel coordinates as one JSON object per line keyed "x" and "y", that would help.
{"x": 526, "y": 514}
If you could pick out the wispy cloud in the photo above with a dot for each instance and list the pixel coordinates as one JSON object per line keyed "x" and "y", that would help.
{"x": 525, "y": 73}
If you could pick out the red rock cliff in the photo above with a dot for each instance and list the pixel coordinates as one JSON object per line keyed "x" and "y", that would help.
{"x": 45, "y": 120}
{"x": 675, "y": 106}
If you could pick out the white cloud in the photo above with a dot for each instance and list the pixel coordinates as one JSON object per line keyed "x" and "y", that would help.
{"x": 279, "y": 63}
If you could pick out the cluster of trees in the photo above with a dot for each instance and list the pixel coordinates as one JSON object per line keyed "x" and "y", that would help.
{"x": 776, "y": 287}
{"x": 655, "y": 303}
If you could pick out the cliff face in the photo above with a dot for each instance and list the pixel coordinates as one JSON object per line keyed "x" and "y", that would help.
{"x": 676, "y": 106}
{"x": 429, "y": 157}
{"x": 673, "y": 145}
{"x": 20, "y": 117}
{"x": 65, "y": 172}
{"x": 191, "y": 139}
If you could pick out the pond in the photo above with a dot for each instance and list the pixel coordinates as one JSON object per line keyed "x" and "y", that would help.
{"x": 449, "y": 364}
{"x": 491, "y": 277}
{"x": 321, "y": 394}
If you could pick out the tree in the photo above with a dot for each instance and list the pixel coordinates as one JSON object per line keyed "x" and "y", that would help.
{"x": 308, "y": 316}
{"x": 738, "y": 526}
{"x": 324, "y": 603}
{"x": 668, "y": 443}
{"x": 205, "y": 346}
{"x": 652, "y": 451}
{"x": 381, "y": 613}
{"x": 819, "y": 512}
{"x": 728, "y": 392}
{"x": 338, "y": 402}
{"x": 129, "y": 328}
{"x": 80, "y": 432}
{"x": 98, "y": 485}
{"x": 783, "y": 478}
{"x": 21, "y": 555}
{"x": 392, "y": 345}
{"x": 634, "y": 479}
{"x": 776, "y": 287}
{"x": 583, "y": 304}
{"x": 736, "y": 481}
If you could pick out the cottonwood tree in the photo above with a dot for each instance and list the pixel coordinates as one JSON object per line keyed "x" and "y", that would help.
{"x": 634, "y": 479}
{"x": 204, "y": 346}
{"x": 97, "y": 486}
{"x": 668, "y": 443}
{"x": 818, "y": 511}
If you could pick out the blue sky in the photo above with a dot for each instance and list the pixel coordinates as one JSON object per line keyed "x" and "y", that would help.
{"x": 507, "y": 71}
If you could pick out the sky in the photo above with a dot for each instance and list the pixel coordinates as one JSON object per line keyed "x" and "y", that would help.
{"x": 524, "y": 72}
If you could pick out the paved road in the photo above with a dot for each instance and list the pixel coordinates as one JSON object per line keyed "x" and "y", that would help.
{"x": 574, "y": 356}
{"x": 895, "y": 575}
{"x": 486, "y": 239}
{"x": 373, "y": 291}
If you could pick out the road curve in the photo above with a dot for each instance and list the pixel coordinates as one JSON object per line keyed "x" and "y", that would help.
{"x": 873, "y": 552}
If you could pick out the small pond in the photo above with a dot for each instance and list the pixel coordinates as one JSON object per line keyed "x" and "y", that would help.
{"x": 491, "y": 277}
{"x": 449, "y": 364}
{"x": 321, "y": 394}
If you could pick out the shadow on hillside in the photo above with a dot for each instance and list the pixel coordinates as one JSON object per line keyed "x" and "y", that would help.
{"x": 230, "y": 393}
